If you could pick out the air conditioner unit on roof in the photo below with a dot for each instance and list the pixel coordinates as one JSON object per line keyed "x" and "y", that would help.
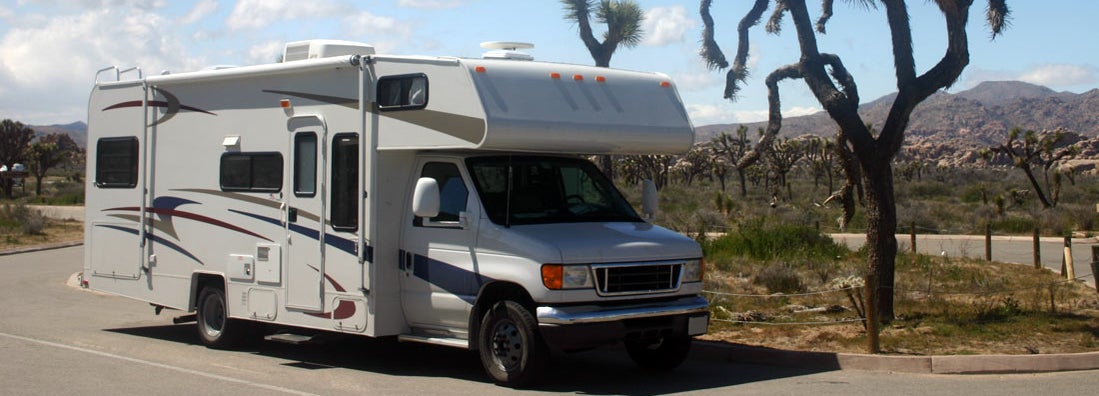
{"x": 312, "y": 49}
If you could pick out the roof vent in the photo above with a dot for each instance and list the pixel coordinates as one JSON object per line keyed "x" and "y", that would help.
{"x": 312, "y": 49}
{"x": 506, "y": 50}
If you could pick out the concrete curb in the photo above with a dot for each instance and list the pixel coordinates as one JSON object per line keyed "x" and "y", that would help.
{"x": 37, "y": 248}
{"x": 947, "y": 364}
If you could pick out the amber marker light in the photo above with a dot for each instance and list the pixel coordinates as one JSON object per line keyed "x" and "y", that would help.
{"x": 284, "y": 103}
{"x": 555, "y": 76}
{"x": 577, "y": 77}
{"x": 665, "y": 84}
{"x": 553, "y": 276}
{"x": 600, "y": 79}
{"x": 479, "y": 69}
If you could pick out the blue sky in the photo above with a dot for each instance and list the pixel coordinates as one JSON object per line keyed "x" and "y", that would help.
{"x": 50, "y": 49}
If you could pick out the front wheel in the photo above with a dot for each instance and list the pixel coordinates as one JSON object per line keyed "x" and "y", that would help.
{"x": 215, "y": 328}
{"x": 662, "y": 354}
{"x": 511, "y": 349}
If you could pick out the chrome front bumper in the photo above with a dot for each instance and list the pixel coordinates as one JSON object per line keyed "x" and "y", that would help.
{"x": 581, "y": 314}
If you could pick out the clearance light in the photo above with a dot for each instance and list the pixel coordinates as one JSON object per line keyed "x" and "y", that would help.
{"x": 555, "y": 76}
{"x": 479, "y": 69}
{"x": 665, "y": 84}
{"x": 600, "y": 79}
{"x": 577, "y": 77}
{"x": 284, "y": 103}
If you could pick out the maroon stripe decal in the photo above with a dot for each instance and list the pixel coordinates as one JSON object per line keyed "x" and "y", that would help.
{"x": 196, "y": 217}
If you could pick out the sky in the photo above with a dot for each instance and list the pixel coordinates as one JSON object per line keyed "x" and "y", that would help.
{"x": 50, "y": 50}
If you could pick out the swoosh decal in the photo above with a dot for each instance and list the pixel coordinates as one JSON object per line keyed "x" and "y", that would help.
{"x": 156, "y": 239}
{"x": 171, "y": 104}
{"x": 193, "y": 216}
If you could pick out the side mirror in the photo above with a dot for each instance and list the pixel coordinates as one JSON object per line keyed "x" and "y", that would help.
{"x": 425, "y": 199}
{"x": 650, "y": 199}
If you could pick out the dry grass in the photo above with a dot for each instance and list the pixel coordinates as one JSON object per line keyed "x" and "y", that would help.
{"x": 973, "y": 307}
{"x": 55, "y": 231}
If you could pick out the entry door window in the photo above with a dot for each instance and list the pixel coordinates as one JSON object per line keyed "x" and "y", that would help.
{"x": 305, "y": 164}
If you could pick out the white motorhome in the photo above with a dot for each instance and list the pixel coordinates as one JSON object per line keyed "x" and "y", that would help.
{"x": 434, "y": 199}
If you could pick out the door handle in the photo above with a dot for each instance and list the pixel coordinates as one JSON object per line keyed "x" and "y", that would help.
{"x": 292, "y": 215}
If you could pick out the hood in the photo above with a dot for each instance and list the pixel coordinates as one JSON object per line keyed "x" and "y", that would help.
{"x": 592, "y": 242}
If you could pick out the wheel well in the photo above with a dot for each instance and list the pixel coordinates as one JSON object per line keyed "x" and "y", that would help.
{"x": 491, "y": 294}
{"x": 200, "y": 281}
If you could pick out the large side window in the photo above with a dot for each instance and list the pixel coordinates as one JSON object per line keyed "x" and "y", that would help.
{"x": 344, "y": 200}
{"x": 453, "y": 193}
{"x": 251, "y": 172}
{"x": 305, "y": 164}
{"x": 116, "y": 162}
{"x": 405, "y": 92}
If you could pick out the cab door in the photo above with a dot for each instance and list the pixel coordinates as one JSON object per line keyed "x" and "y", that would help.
{"x": 439, "y": 279}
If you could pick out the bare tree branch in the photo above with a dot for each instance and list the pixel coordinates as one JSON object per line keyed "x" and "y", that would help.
{"x": 711, "y": 51}
{"x": 774, "y": 114}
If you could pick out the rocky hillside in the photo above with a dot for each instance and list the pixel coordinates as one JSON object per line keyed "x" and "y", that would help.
{"x": 78, "y": 131}
{"x": 951, "y": 127}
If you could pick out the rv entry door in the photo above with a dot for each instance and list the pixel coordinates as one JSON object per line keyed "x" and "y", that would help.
{"x": 303, "y": 214}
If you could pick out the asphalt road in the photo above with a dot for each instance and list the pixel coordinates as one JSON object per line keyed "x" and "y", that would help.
{"x": 1008, "y": 249}
{"x": 57, "y": 339}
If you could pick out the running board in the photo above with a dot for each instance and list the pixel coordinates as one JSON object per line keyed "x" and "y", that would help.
{"x": 184, "y": 319}
{"x": 286, "y": 338}
{"x": 450, "y": 342}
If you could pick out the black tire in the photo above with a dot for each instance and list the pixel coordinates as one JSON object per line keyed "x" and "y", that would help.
{"x": 662, "y": 354}
{"x": 512, "y": 352}
{"x": 215, "y": 328}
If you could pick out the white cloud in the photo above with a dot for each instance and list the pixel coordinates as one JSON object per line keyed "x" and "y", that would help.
{"x": 366, "y": 24}
{"x": 1059, "y": 75}
{"x": 265, "y": 52}
{"x": 6, "y": 12}
{"x": 724, "y": 113}
{"x": 429, "y": 4}
{"x": 201, "y": 10}
{"x": 39, "y": 84}
{"x": 666, "y": 25}
{"x": 695, "y": 81}
{"x": 257, "y": 14}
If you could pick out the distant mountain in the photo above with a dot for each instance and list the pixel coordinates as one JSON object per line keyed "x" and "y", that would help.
{"x": 78, "y": 131}
{"x": 980, "y": 116}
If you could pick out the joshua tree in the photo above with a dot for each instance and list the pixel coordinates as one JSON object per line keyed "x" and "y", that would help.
{"x": 623, "y": 19}
{"x": 734, "y": 148}
{"x": 1041, "y": 150}
{"x": 834, "y": 87}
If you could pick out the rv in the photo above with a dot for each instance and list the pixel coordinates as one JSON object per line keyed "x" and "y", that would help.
{"x": 432, "y": 199}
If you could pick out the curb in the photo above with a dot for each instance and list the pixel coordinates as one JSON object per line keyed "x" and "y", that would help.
{"x": 37, "y": 248}
{"x": 939, "y": 364}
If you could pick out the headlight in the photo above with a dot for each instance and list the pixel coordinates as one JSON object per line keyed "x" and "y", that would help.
{"x": 557, "y": 276}
{"x": 693, "y": 271}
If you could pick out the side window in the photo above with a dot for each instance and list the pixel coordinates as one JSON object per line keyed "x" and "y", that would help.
{"x": 305, "y": 164}
{"x": 407, "y": 92}
{"x": 116, "y": 162}
{"x": 344, "y": 200}
{"x": 257, "y": 172}
{"x": 453, "y": 193}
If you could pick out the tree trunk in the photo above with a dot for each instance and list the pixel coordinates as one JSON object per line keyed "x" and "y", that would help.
{"x": 743, "y": 187}
{"x": 881, "y": 230}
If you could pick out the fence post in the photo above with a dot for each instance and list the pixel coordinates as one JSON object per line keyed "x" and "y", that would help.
{"x": 1095, "y": 265}
{"x": 1068, "y": 271}
{"x": 913, "y": 237}
{"x": 988, "y": 242}
{"x": 1037, "y": 250}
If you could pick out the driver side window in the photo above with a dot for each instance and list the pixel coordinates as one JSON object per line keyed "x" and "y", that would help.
{"x": 453, "y": 193}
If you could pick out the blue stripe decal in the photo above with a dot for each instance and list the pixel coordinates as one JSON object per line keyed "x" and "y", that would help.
{"x": 156, "y": 239}
{"x": 341, "y": 244}
{"x": 460, "y": 282}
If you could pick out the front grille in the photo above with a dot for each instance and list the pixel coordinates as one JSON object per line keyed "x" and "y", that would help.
{"x": 637, "y": 278}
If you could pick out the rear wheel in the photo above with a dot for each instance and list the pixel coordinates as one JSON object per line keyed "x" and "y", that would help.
{"x": 511, "y": 349}
{"x": 215, "y": 328}
{"x": 661, "y": 354}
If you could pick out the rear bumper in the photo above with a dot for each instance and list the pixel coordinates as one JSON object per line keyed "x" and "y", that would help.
{"x": 587, "y": 326}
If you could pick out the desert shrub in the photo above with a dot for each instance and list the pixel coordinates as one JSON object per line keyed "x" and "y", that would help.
{"x": 30, "y": 221}
{"x": 762, "y": 241}
{"x": 779, "y": 278}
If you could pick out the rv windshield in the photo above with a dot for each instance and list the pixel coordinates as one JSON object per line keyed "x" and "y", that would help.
{"x": 546, "y": 190}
